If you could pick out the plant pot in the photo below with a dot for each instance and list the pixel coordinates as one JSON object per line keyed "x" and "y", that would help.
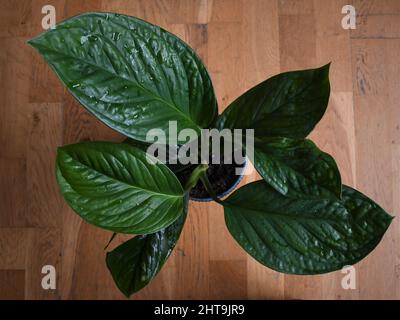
{"x": 234, "y": 180}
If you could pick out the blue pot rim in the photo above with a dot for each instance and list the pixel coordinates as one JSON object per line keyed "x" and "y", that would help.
{"x": 240, "y": 178}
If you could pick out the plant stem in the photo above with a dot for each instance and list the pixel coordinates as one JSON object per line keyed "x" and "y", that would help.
{"x": 207, "y": 185}
{"x": 195, "y": 176}
{"x": 200, "y": 172}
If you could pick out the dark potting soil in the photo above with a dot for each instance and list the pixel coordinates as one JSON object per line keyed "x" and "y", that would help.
{"x": 221, "y": 176}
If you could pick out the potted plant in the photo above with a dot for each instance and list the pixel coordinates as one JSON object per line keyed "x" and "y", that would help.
{"x": 136, "y": 77}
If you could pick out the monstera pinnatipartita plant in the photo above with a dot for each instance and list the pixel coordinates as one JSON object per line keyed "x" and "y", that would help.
{"x": 134, "y": 76}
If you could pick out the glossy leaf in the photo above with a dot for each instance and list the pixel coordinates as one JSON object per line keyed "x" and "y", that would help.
{"x": 304, "y": 236}
{"x": 287, "y": 105}
{"x": 136, "y": 262}
{"x": 369, "y": 220}
{"x": 132, "y": 75}
{"x": 297, "y": 168}
{"x": 114, "y": 187}
{"x": 176, "y": 167}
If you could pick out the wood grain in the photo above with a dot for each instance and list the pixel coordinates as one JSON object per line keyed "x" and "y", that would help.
{"x": 242, "y": 42}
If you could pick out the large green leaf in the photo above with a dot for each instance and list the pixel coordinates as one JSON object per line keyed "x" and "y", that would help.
{"x": 115, "y": 187}
{"x": 304, "y": 236}
{"x": 288, "y": 105}
{"x": 136, "y": 262}
{"x": 297, "y": 168}
{"x": 132, "y": 75}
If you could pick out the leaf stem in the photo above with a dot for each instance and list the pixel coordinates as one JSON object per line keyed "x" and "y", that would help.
{"x": 207, "y": 185}
{"x": 200, "y": 172}
{"x": 195, "y": 176}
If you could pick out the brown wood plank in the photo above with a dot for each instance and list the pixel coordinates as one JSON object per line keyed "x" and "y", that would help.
{"x": 44, "y": 199}
{"x": 377, "y": 119}
{"x": 12, "y": 284}
{"x": 14, "y": 245}
{"x": 228, "y": 279}
{"x": 44, "y": 248}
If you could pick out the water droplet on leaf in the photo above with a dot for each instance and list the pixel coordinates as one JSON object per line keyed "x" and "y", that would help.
{"x": 84, "y": 39}
{"x": 116, "y": 36}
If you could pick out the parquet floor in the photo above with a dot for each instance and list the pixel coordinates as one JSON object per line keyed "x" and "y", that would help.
{"x": 242, "y": 43}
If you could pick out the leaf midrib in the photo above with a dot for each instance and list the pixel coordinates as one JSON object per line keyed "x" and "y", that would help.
{"x": 119, "y": 181}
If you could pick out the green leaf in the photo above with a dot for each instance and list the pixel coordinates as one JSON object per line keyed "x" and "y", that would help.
{"x": 175, "y": 167}
{"x": 304, "y": 236}
{"x": 115, "y": 187}
{"x": 137, "y": 261}
{"x": 132, "y": 75}
{"x": 369, "y": 220}
{"x": 288, "y": 105}
{"x": 297, "y": 168}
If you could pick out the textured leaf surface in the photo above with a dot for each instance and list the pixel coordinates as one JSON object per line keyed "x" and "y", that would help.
{"x": 137, "y": 261}
{"x": 132, "y": 75}
{"x": 304, "y": 236}
{"x": 297, "y": 168}
{"x": 288, "y": 105}
{"x": 114, "y": 187}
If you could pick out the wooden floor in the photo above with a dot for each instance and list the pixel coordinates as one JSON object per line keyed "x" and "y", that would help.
{"x": 242, "y": 43}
